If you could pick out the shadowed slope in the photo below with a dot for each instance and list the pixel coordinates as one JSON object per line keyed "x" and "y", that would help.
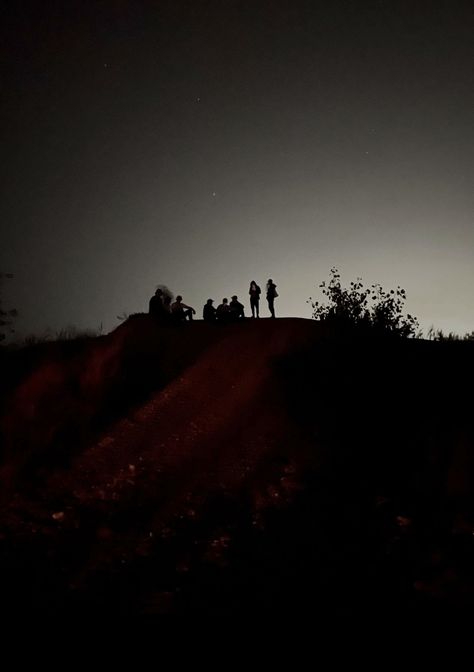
{"x": 284, "y": 465}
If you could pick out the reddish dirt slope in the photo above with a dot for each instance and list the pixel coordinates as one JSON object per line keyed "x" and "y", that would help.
{"x": 207, "y": 426}
{"x": 281, "y": 468}
{"x": 209, "y": 431}
{"x": 206, "y": 430}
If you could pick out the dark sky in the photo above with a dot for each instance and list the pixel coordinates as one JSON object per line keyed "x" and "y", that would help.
{"x": 205, "y": 144}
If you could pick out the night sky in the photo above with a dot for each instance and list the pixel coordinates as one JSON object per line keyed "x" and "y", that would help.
{"x": 205, "y": 144}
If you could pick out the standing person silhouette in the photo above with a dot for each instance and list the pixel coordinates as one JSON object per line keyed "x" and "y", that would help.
{"x": 271, "y": 296}
{"x": 254, "y": 292}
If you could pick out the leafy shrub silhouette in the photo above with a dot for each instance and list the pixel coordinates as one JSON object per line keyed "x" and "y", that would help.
{"x": 373, "y": 307}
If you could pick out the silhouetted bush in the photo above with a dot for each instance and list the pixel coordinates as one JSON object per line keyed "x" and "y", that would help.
{"x": 373, "y": 307}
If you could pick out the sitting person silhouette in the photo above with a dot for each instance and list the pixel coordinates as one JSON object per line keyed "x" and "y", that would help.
{"x": 236, "y": 309}
{"x": 155, "y": 306}
{"x": 209, "y": 312}
{"x": 180, "y": 311}
{"x": 167, "y": 306}
{"x": 223, "y": 311}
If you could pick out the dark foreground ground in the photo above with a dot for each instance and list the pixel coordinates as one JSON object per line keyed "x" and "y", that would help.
{"x": 271, "y": 465}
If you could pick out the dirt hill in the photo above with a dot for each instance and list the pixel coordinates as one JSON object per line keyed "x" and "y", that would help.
{"x": 266, "y": 464}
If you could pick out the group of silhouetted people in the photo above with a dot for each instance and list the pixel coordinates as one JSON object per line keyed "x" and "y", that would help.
{"x": 165, "y": 309}
{"x": 225, "y": 311}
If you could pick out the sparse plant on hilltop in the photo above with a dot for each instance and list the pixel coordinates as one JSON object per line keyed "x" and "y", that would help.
{"x": 371, "y": 307}
{"x": 439, "y": 335}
